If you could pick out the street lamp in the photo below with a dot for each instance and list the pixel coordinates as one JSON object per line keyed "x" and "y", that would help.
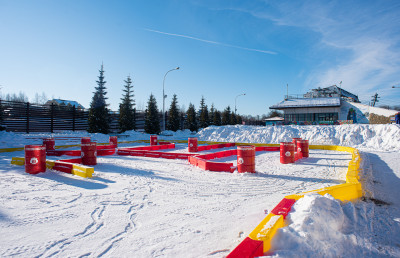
{"x": 164, "y": 96}
{"x": 236, "y": 98}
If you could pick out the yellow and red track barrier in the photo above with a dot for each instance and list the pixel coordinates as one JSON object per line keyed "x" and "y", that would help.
{"x": 259, "y": 240}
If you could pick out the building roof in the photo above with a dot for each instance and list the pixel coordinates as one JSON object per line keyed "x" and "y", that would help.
{"x": 67, "y": 102}
{"x": 308, "y": 102}
{"x": 275, "y": 118}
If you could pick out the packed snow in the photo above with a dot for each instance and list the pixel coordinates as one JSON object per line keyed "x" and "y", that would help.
{"x": 145, "y": 207}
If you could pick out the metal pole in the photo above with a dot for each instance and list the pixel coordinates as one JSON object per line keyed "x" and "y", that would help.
{"x": 163, "y": 96}
{"x": 236, "y": 99}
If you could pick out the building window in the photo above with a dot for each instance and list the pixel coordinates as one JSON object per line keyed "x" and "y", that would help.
{"x": 311, "y": 117}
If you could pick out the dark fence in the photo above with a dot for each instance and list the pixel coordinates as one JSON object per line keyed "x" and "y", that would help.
{"x": 28, "y": 117}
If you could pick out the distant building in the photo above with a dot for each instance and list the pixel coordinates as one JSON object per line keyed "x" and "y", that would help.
{"x": 65, "y": 103}
{"x": 277, "y": 120}
{"x": 320, "y": 106}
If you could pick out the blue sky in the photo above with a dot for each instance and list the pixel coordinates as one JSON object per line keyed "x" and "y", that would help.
{"x": 224, "y": 48}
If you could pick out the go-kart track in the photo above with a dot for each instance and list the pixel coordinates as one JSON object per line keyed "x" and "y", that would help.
{"x": 137, "y": 206}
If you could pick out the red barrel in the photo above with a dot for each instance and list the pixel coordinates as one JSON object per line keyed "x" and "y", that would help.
{"x": 302, "y": 148}
{"x": 153, "y": 139}
{"x": 246, "y": 156}
{"x": 49, "y": 143}
{"x": 192, "y": 144}
{"x": 294, "y": 140}
{"x": 89, "y": 153}
{"x": 287, "y": 152}
{"x": 35, "y": 159}
{"x": 114, "y": 140}
{"x": 85, "y": 140}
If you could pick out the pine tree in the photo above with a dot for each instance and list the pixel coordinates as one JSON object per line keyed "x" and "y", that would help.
{"x": 226, "y": 116}
{"x": 191, "y": 121}
{"x": 152, "y": 119}
{"x": 233, "y": 119}
{"x": 127, "y": 118}
{"x": 173, "y": 115}
{"x": 204, "y": 120}
{"x": 212, "y": 114}
{"x": 239, "y": 119}
{"x": 99, "y": 116}
{"x": 217, "y": 118}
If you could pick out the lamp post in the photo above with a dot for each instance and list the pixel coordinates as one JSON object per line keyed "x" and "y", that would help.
{"x": 236, "y": 99}
{"x": 164, "y": 96}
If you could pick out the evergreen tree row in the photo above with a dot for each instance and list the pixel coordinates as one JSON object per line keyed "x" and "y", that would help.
{"x": 100, "y": 118}
{"x": 99, "y": 115}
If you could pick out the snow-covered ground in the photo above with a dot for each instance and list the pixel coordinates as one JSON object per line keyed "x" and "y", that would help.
{"x": 145, "y": 207}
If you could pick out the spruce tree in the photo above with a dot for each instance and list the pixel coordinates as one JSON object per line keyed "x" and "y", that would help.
{"x": 212, "y": 114}
{"x": 1, "y": 117}
{"x": 173, "y": 115}
{"x": 127, "y": 118}
{"x": 152, "y": 119}
{"x": 233, "y": 119}
{"x": 204, "y": 120}
{"x": 191, "y": 121}
{"x": 217, "y": 118}
{"x": 99, "y": 117}
{"x": 226, "y": 116}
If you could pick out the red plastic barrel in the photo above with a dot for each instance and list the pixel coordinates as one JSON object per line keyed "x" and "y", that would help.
{"x": 246, "y": 156}
{"x": 114, "y": 140}
{"x": 294, "y": 140}
{"x": 153, "y": 139}
{"x": 89, "y": 153}
{"x": 192, "y": 144}
{"x": 49, "y": 143}
{"x": 85, "y": 140}
{"x": 287, "y": 152}
{"x": 35, "y": 159}
{"x": 302, "y": 148}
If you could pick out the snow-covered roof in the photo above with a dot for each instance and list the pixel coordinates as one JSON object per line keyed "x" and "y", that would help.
{"x": 275, "y": 118}
{"x": 67, "y": 102}
{"x": 308, "y": 102}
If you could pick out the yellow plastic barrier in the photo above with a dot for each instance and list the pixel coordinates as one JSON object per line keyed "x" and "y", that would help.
{"x": 18, "y": 161}
{"x": 12, "y": 149}
{"x": 83, "y": 171}
{"x": 266, "y": 230}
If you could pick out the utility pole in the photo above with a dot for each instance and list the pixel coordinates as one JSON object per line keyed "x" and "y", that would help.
{"x": 374, "y": 99}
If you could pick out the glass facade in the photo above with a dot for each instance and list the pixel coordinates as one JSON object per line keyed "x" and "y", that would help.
{"x": 311, "y": 117}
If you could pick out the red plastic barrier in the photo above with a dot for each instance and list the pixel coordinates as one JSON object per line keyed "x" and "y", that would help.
{"x": 78, "y": 161}
{"x": 35, "y": 159}
{"x": 105, "y": 152}
{"x": 168, "y": 155}
{"x": 246, "y": 156}
{"x": 63, "y": 166}
{"x": 247, "y": 248}
{"x": 61, "y": 152}
{"x": 85, "y": 140}
{"x": 287, "y": 152}
{"x": 113, "y": 140}
{"x": 302, "y": 149}
{"x": 153, "y": 140}
{"x": 267, "y": 148}
{"x": 49, "y": 143}
{"x": 89, "y": 153}
{"x": 192, "y": 144}
{"x": 283, "y": 208}
{"x": 106, "y": 147}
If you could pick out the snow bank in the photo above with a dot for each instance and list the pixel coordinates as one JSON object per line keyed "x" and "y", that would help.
{"x": 374, "y": 137}
{"x": 319, "y": 225}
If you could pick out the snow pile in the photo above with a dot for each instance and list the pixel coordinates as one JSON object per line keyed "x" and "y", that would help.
{"x": 318, "y": 225}
{"x": 375, "y": 137}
